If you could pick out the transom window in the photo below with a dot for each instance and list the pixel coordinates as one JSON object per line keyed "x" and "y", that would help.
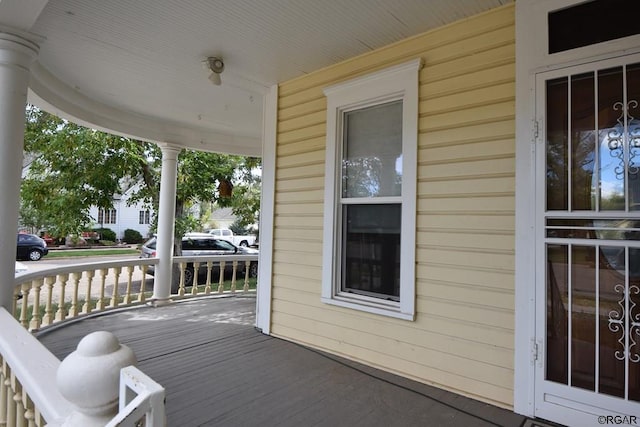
{"x": 592, "y": 22}
{"x": 370, "y": 191}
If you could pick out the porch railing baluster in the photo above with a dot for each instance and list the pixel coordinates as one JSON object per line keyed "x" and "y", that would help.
{"x": 48, "y": 311}
{"x": 29, "y": 412}
{"x": 74, "y": 310}
{"x": 127, "y": 295}
{"x": 25, "y": 291}
{"x": 61, "y": 314}
{"x": 115, "y": 298}
{"x": 34, "y": 324}
{"x": 233, "y": 276}
{"x": 194, "y": 285}
{"x": 141, "y": 296}
{"x": 87, "y": 306}
{"x": 221, "y": 282}
{"x": 183, "y": 267}
{"x": 3, "y": 392}
{"x": 247, "y": 271}
{"x": 103, "y": 279}
{"x": 17, "y": 398}
{"x": 11, "y": 404}
{"x": 207, "y": 286}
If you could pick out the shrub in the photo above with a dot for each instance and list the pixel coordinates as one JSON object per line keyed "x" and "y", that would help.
{"x": 106, "y": 234}
{"x": 132, "y": 236}
{"x": 107, "y": 242}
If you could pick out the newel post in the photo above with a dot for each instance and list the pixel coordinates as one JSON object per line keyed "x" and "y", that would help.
{"x": 89, "y": 378}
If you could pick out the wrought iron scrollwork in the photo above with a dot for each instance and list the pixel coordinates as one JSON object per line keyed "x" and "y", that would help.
{"x": 617, "y": 324}
{"x": 616, "y": 140}
{"x": 633, "y": 131}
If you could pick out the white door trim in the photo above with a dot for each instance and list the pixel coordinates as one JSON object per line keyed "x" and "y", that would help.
{"x": 267, "y": 210}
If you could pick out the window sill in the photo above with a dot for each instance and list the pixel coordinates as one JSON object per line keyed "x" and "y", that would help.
{"x": 382, "y": 309}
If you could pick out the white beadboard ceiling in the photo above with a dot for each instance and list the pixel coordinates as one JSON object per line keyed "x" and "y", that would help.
{"x": 134, "y": 66}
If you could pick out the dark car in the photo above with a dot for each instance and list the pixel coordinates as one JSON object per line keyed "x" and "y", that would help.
{"x": 31, "y": 247}
{"x": 201, "y": 244}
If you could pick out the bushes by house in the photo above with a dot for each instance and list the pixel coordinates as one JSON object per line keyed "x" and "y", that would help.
{"x": 132, "y": 236}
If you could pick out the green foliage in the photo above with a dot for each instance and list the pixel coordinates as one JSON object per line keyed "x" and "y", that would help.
{"x": 73, "y": 168}
{"x": 238, "y": 228}
{"x": 107, "y": 242}
{"x": 132, "y": 236}
{"x": 106, "y": 234}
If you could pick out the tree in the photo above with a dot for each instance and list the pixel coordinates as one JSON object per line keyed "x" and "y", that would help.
{"x": 72, "y": 168}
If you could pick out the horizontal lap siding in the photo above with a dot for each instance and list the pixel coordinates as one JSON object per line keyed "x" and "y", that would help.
{"x": 462, "y": 338}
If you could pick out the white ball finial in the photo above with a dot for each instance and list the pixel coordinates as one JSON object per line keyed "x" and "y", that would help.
{"x": 89, "y": 378}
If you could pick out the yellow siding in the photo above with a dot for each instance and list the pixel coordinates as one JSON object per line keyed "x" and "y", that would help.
{"x": 462, "y": 337}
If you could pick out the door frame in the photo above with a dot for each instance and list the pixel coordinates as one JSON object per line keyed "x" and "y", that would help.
{"x": 532, "y": 59}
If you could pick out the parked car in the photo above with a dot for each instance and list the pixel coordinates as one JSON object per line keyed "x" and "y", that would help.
{"x": 229, "y": 236}
{"x": 203, "y": 244}
{"x": 30, "y": 247}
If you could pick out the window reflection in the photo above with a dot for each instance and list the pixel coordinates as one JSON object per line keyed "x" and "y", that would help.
{"x": 372, "y": 160}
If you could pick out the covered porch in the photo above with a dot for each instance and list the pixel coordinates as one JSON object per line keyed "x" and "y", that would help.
{"x": 247, "y": 378}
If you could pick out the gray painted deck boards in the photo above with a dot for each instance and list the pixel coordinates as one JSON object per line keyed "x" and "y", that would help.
{"x": 218, "y": 370}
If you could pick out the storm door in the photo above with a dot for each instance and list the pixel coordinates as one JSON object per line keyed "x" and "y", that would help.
{"x": 588, "y": 222}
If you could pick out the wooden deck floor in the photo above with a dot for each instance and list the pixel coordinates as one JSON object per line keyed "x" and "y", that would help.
{"x": 218, "y": 370}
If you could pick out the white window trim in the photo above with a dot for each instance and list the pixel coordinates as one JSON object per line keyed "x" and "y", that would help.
{"x": 399, "y": 82}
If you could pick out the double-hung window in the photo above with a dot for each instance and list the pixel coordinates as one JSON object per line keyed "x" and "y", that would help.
{"x": 144, "y": 217}
{"x": 370, "y": 192}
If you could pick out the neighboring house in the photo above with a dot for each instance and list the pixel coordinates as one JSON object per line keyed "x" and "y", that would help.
{"x": 459, "y": 207}
{"x": 123, "y": 216}
{"x": 221, "y": 218}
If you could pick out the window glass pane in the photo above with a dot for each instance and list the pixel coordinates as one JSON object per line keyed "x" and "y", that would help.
{"x": 611, "y": 136}
{"x": 557, "y": 144}
{"x": 371, "y": 250}
{"x": 592, "y": 22}
{"x": 633, "y": 132}
{"x": 583, "y": 142}
{"x": 611, "y": 277}
{"x": 372, "y": 152}
{"x": 557, "y": 316}
{"x": 583, "y": 318}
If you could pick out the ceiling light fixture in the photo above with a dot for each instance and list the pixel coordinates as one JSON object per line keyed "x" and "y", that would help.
{"x": 216, "y": 66}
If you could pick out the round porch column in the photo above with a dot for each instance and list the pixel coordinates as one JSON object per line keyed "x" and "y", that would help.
{"x": 166, "y": 221}
{"x": 17, "y": 53}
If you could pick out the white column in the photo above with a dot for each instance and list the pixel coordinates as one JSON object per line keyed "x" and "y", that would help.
{"x": 166, "y": 221}
{"x": 267, "y": 212}
{"x": 16, "y": 56}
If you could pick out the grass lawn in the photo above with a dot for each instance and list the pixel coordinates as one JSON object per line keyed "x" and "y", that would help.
{"x": 67, "y": 253}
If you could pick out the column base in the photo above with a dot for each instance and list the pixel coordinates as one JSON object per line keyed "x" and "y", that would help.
{"x": 160, "y": 302}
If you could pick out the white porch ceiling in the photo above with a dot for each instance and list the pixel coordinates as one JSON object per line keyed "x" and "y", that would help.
{"x": 134, "y": 66}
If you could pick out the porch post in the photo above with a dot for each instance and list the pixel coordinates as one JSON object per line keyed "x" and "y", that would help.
{"x": 16, "y": 56}
{"x": 166, "y": 221}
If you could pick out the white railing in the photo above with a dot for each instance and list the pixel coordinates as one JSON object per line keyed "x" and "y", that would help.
{"x": 49, "y": 297}
{"x": 148, "y": 404}
{"x": 36, "y": 389}
{"x": 29, "y": 395}
{"x": 219, "y": 274}
{"x": 28, "y": 392}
